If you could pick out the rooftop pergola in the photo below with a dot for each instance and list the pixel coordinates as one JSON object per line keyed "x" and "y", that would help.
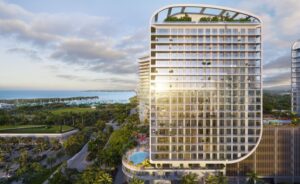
{"x": 201, "y": 9}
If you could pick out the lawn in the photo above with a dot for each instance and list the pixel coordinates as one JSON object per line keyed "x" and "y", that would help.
{"x": 34, "y": 129}
{"x": 18, "y": 126}
{"x": 72, "y": 109}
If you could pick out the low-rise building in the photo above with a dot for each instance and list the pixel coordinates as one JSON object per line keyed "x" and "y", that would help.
{"x": 276, "y": 159}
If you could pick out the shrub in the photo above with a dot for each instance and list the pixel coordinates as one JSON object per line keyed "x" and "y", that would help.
{"x": 184, "y": 18}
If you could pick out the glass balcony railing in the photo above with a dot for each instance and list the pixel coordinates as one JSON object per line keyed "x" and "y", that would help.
{"x": 205, "y": 58}
{"x": 205, "y": 33}
{"x": 162, "y": 49}
{"x": 206, "y": 42}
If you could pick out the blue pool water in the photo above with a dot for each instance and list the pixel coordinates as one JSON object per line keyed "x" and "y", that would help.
{"x": 138, "y": 157}
{"x": 277, "y": 121}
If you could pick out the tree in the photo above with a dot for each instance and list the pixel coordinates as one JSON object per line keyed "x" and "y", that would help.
{"x": 295, "y": 119}
{"x": 191, "y": 178}
{"x": 103, "y": 178}
{"x": 60, "y": 154}
{"x": 88, "y": 176}
{"x": 100, "y": 125}
{"x": 74, "y": 143}
{"x": 55, "y": 144}
{"x": 211, "y": 180}
{"x": 135, "y": 180}
{"x": 216, "y": 179}
{"x": 50, "y": 161}
{"x": 252, "y": 178}
{"x": 221, "y": 179}
{"x": 59, "y": 177}
{"x": 23, "y": 158}
{"x": 2, "y": 157}
{"x": 7, "y": 169}
{"x": 37, "y": 167}
{"x": 42, "y": 144}
{"x": 93, "y": 175}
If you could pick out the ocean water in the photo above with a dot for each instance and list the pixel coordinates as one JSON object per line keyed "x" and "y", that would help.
{"x": 104, "y": 96}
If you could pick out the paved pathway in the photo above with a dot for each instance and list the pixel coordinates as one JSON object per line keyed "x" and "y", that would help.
{"x": 114, "y": 124}
{"x": 78, "y": 161}
{"x": 120, "y": 177}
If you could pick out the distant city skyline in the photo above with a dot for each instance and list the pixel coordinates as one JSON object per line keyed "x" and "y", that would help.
{"x": 86, "y": 45}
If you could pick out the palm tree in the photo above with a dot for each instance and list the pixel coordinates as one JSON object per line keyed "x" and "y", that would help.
{"x": 136, "y": 181}
{"x": 191, "y": 178}
{"x": 23, "y": 157}
{"x": 211, "y": 180}
{"x": 55, "y": 144}
{"x": 2, "y": 157}
{"x": 221, "y": 179}
{"x": 7, "y": 169}
{"x": 50, "y": 161}
{"x": 252, "y": 178}
{"x": 103, "y": 178}
{"x": 294, "y": 118}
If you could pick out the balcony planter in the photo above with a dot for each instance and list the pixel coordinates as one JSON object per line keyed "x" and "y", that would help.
{"x": 185, "y": 18}
{"x": 223, "y": 19}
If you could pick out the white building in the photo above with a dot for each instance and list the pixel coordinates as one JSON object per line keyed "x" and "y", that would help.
{"x": 295, "y": 81}
{"x": 205, "y": 97}
{"x": 206, "y": 88}
{"x": 143, "y": 88}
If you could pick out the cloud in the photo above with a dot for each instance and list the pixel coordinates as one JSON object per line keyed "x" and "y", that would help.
{"x": 94, "y": 56}
{"x": 282, "y": 79}
{"x": 116, "y": 68}
{"x": 23, "y": 32}
{"x": 76, "y": 50}
{"x": 80, "y": 41}
{"x": 68, "y": 77}
{"x": 12, "y": 11}
{"x": 113, "y": 82}
{"x": 277, "y": 72}
{"x": 86, "y": 43}
{"x": 281, "y": 27}
{"x": 280, "y": 63}
{"x": 32, "y": 54}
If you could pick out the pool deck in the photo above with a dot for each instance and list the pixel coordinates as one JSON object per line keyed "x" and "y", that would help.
{"x": 138, "y": 157}
{"x": 126, "y": 158}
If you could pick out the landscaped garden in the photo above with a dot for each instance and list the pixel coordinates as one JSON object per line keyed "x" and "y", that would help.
{"x": 226, "y": 18}
{"x": 33, "y": 160}
{"x": 72, "y": 110}
{"x": 35, "y": 129}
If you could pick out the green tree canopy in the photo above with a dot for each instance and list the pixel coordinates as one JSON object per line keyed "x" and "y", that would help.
{"x": 191, "y": 178}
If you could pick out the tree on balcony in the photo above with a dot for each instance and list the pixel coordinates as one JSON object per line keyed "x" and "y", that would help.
{"x": 191, "y": 178}
{"x": 216, "y": 179}
{"x": 252, "y": 178}
{"x": 136, "y": 181}
{"x": 184, "y": 18}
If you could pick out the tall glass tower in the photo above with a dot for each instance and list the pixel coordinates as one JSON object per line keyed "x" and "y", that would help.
{"x": 205, "y": 85}
{"x": 295, "y": 77}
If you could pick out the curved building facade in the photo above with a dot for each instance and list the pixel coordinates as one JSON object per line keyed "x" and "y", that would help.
{"x": 143, "y": 88}
{"x": 205, "y": 85}
{"x": 295, "y": 77}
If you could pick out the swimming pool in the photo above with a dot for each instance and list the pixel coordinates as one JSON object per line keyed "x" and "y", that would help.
{"x": 138, "y": 157}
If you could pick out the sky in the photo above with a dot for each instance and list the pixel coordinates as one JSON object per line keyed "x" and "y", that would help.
{"x": 94, "y": 44}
